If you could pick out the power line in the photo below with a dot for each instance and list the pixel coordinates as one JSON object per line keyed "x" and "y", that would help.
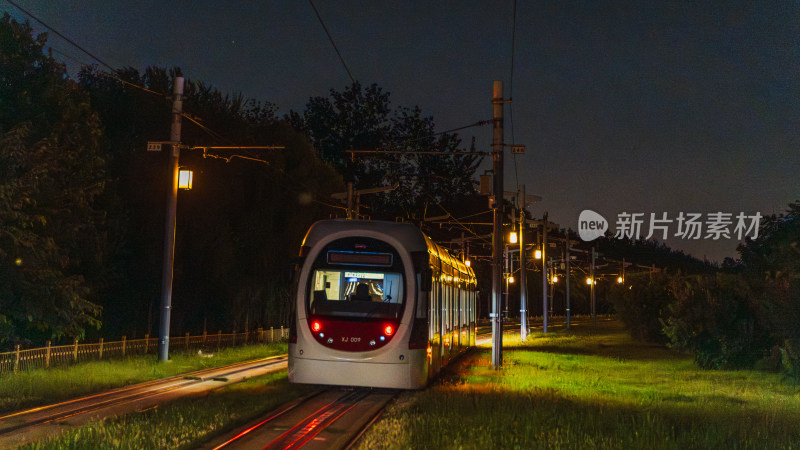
{"x": 511, "y": 88}
{"x": 457, "y": 221}
{"x": 91, "y": 55}
{"x": 330, "y": 38}
{"x": 453, "y": 130}
{"x": 29, "y": 14}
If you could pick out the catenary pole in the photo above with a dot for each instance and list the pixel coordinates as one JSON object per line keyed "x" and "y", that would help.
{"x": 544, "y": 273}
{"x": 169, "y": 229}
{"x": 591, "y": 289}
{"x": 566, "y": 235}
{"x": 523, "y": 267}
{"x": 497, "y": 233}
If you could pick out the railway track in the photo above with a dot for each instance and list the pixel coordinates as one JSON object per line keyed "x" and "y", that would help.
{"x": 326, "y": 419}
{"x": 30, "y": 425}
{"x": 330, "y": 418}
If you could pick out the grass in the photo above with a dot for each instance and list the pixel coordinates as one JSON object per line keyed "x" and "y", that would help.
{"x": 44, "y": 386}
{"x": 185, "y": 423}
{"x": 593, "y": 387}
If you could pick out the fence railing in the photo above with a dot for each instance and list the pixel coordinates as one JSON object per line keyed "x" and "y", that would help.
{"x": 59, "y": 355}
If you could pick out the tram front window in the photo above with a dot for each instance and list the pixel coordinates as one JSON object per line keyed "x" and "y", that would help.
{"x": 349, "y": 293}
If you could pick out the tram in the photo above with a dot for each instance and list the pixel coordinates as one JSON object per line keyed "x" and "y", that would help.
{"x": 378, "y": 304}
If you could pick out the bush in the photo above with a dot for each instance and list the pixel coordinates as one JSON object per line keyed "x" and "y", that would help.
{"x": 641, "y": 304}
{"x": 712, "y": 317}
{"x": 779, "y": 311}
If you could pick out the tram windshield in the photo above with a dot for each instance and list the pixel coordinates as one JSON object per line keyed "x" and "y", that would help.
{"x": 352, "y": 293}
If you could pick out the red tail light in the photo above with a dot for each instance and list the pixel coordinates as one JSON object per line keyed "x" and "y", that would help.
{"x": 316, "y": 326}
{"x": 388, "y": 330}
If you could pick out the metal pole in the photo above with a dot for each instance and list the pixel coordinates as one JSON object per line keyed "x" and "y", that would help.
{"x": 544, "y": 274}
{"x": 497, "y": 234}
{"x": 169, "y": 229}
{"x": 506, "y": 276}
{"x": 566, "y": 233}
{"x": 523, "y": 270}
{"x": 591, "y": 289}
{"x": 509, "y": 271}
{"x": 349, "y": 200}
{"x": 552, "y": 293}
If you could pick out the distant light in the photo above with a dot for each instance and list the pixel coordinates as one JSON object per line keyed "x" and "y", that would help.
{"x": 352, "y": 280}
{"x": 467, "y": 263}
{"x": 619, "y": 280}
{"x": 18, "y": 261}
{"x": 316, "y": 326}
{"x": 555, "y": 279}
{"x": 388, "y": 330}
{"x": 510, "y": 279}
{"x": 588, "y": 281}
{"x": 537, "y": 254}
{"x": 185, "y": 179}
{"x": 512, "y": 237}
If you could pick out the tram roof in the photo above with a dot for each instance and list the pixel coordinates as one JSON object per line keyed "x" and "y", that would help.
{"x": 408, "y": 234}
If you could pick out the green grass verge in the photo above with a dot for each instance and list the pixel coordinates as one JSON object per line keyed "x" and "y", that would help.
{"x": 593, "y": 387}
{"x": 185, "y": 423}
{"x": 45, "y": 386}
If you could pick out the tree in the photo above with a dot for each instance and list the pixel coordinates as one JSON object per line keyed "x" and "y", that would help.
{"x": 772, "y": 268}
{"x": 361, "y": 118}
{"x": 237, "y": 229}
{"x": 52, "y": 236}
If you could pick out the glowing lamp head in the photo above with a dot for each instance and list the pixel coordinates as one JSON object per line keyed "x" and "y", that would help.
{"x": 467, "y": 263}
{"x": 588, "y": 281}
{"x": 512, "y": 237}
{"x": 537, "y": 254}
{"x": 511, "y": 280}
{"x": 555, "y": 279}
{"x": 619, "y": 280}
{"x": 316, "y": 326}
{"x": 388, "y": 330}
{"x": 185, "y": 179}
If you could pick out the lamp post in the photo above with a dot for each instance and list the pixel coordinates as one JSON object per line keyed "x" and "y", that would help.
{"x": 169, "y": 229}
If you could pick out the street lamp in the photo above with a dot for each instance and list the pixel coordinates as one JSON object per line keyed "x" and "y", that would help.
{"x": 512, "y": 237}
{"x": 185, "y": 179}
{"x": 537, "y": 254}
{"x": 620, "y": 280}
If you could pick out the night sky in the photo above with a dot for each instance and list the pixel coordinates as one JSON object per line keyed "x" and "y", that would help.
{"x": 631, "y": 106}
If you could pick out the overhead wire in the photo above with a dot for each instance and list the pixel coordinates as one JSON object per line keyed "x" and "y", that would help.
{"x": 511, "y": 87}
{"x": 113, "y": 72}
{"x": 453, "y": 130}
{"x": 330, "y": 38}
{"x": 29, "y": 14}
{"x": 456, "y": 220}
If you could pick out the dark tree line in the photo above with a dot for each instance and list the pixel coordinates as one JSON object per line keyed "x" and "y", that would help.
{"x": 82, "y": 202}
{"x": 53, "y": 235}
{"x": 363, "y": 118}
{"x": 745, "y": 314}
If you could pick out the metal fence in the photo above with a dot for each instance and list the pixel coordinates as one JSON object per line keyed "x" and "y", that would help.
{"x": 59, "y": 355}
